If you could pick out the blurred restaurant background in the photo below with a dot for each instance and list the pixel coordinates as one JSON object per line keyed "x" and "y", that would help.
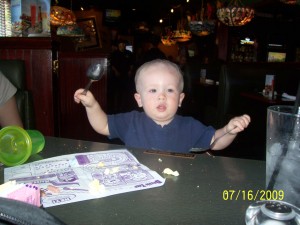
{"x": 225, "y": 49}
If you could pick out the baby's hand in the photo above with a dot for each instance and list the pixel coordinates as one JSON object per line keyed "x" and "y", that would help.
{"x": 240, "y": 122}
{"x": 87, "y": 100}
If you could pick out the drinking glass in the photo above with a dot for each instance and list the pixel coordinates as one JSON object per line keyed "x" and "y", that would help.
{"x": 283, "y": 152}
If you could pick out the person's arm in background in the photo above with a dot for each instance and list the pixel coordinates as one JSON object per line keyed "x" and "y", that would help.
{"x": 9, "y": 114}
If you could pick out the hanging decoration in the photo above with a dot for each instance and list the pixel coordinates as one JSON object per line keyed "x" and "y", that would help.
{"x": 172, "y": 37}
{"x": 235, "y": 14}
{"x": 167, "y": 41}
{"x": 167, "y": 37}
{"x": 204, "y": 25}
{"x": 60, "y": 16}
{"x": 64, "y": 20}
{"x": 142, "y": 27}
{"x": 290, "y": 2}
{"x": 70, "y": 31}
{"x": 202, "y": 28}
{"x": 182, "y": 33}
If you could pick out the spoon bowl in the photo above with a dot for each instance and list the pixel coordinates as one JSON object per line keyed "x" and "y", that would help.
{"x": 95, "y": 72}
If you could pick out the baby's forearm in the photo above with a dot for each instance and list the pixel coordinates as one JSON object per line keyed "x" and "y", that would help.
{"x": 224, "y": 141}
{"x": 98, "y": 119}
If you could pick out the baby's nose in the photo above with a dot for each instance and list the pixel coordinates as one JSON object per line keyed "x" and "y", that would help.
{"x": 161, "y": 96}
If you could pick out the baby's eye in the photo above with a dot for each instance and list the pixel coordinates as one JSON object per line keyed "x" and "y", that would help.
{"x": 152, "y": 90}
{"x": 170, "y": 90}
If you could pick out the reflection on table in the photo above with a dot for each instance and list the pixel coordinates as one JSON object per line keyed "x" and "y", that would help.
{"x": 205, "y": 192}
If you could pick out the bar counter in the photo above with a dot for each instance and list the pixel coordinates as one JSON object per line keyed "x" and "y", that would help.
{"x": 209, "y": 190}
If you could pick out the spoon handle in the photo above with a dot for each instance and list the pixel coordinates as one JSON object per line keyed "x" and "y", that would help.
{"x": 87, "y": 87}
{"x": 216, "y": 139}
{"x": 197, "y": 150}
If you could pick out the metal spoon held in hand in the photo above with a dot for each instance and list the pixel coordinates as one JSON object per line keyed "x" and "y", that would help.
{"x": 195, "y": 150}
{"x": 95, "y": 73}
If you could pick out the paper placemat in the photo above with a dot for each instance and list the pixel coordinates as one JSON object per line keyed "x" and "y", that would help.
{"x": 71, "y": 178}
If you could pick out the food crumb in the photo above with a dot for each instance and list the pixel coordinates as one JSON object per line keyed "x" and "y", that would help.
{"x": 171, "y": 172}
{"x": 106, "y": 171}
{"x": 159, "y": 160}
{"x": 101, "y": 164}
{"x": 114, "y": 170}
{"x": 95, "y": 187}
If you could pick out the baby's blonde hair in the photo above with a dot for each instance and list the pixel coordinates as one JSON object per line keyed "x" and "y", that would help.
{"x": 163, "y": 62}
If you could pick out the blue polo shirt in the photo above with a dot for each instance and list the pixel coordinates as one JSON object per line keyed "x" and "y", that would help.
{"x": 137, "y": 130}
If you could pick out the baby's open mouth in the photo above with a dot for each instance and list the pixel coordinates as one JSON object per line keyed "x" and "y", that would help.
{"x": 161, "y": 107}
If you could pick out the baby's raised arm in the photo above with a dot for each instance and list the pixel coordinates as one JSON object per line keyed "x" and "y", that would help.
{"x": 96, "y": 116}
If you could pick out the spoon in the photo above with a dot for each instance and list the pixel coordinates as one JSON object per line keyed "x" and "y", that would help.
{"x": 94, "y": 72}
{"x": 212, "y": 144}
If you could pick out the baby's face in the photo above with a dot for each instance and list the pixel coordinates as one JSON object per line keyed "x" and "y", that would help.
{"x": 159, "y": 93}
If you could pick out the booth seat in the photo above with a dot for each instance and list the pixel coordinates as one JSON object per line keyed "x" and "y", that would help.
{"x": 236, "y": 78}
{"x": 14, "y": 70}
{"x": 200, "y": 100}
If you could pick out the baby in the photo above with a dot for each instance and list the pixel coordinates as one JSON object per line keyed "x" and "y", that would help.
{"x": 159, "y": 86}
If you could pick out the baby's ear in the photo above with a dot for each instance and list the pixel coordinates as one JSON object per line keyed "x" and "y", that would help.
{"x": 181, "y": 97}
{"x": 138, "y": 99}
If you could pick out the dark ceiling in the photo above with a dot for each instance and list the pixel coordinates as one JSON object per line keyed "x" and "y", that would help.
{"x": 151, "y": 10}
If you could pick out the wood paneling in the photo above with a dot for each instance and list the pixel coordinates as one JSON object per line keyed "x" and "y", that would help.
{"x": 37, "y": 54}
{"x": 73, "y": 122}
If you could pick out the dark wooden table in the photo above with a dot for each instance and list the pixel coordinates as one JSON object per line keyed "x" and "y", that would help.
{"x": 209, "y": 190}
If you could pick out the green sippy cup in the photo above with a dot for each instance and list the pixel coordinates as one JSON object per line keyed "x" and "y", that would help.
{"x": 17, "y": 144}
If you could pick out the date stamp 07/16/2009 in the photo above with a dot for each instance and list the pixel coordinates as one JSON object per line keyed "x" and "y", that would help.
{"x": 252, "y": 195}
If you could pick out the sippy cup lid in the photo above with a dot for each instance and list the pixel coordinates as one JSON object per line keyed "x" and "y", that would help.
{"x": 15, "y": 145}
